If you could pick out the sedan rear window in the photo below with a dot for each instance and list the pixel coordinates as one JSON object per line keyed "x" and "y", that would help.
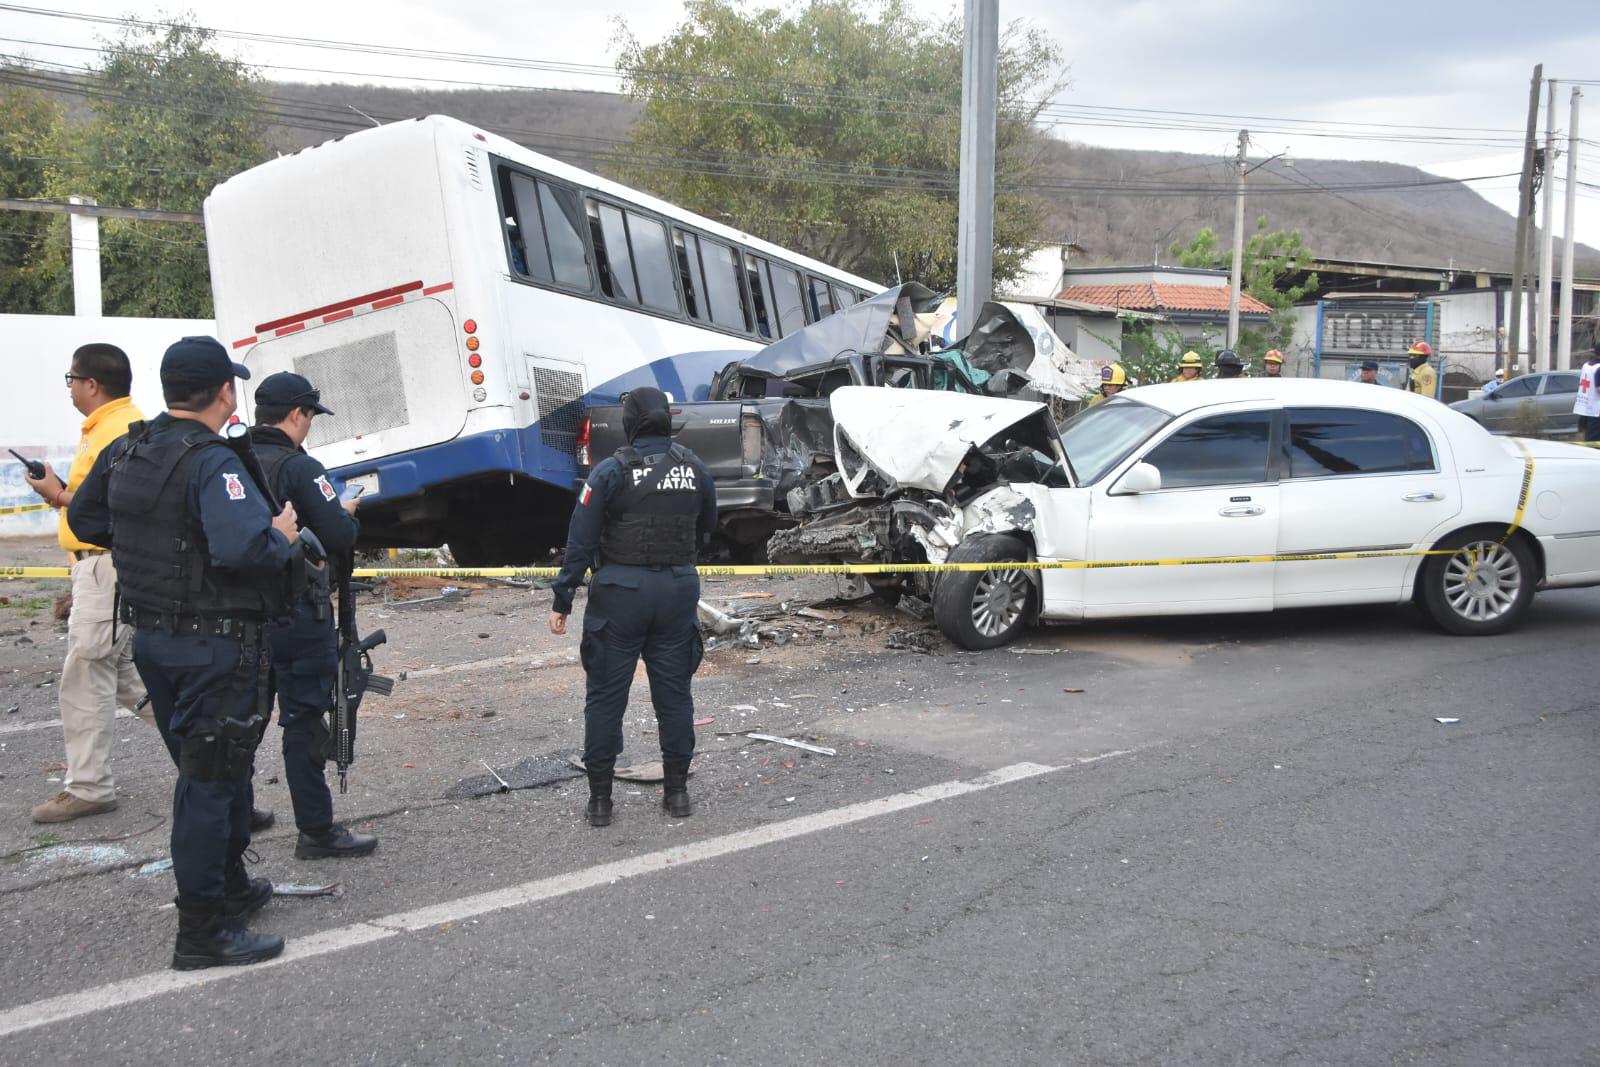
{"x": 1332, "y": 441}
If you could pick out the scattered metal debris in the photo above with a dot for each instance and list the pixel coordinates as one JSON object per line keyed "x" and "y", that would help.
{"x": 505, "y": 786}
{"x": 792, "y": 743}
{"x": 1445, "y": 720}
{"x": 157, "y": 866}
{"x": 913, "y": 641}
{"x": 300, "y": 889}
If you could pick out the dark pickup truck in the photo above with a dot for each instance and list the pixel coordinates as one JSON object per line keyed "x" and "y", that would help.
{"x": 768, "y": 429}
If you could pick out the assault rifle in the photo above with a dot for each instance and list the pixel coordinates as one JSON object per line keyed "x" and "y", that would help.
{"x": 355, "y": 676}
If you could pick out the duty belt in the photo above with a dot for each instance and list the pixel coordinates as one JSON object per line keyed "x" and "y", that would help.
{"x": 190, "y": 625}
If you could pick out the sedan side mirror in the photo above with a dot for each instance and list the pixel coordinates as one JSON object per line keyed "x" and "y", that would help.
{"x": 1143, "y": 478}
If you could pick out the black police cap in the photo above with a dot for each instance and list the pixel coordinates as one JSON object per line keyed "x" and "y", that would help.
{"x": 287, "y": 389}
{"x": 197, "y": 363}
{"x": 1369, "y": 364}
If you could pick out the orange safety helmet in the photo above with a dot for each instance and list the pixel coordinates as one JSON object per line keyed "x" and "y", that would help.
{"x": 1421, "y": 348}
{"x": 1273, "y": 356}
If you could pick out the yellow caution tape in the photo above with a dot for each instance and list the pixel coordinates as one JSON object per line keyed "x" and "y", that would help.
{"x": 1522, "y": 494}
{"x": 19, "y": 509}
{"x": 714, "y": 570}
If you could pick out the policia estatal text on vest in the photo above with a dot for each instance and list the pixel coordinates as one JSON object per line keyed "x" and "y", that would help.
{"x": 640, "y": 520}
{"x": 202, "y": 565}
{"x": 305, "y": 646}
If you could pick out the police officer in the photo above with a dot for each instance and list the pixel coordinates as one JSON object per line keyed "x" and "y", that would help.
{"x": 1189, "y": 368}
{"x": 201, "y": 566}
{"x": 305, "y": 647}
{"x": 1229, "y": 365}
{"x": 1369, "y": 372}
{"x": 645, "y": 511}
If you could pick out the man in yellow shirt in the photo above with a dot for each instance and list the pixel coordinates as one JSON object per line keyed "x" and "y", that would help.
{"x": 98, "y": 674}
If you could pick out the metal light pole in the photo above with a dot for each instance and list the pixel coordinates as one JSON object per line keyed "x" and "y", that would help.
{"x": 1564, "y": 332}
{"x": 980, "y": 52}
{"x": 1238, "y": 245}
{"x": 1524, "y": 209}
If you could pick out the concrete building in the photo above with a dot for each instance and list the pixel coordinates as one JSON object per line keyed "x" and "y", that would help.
{"x": 1192, "y": 300}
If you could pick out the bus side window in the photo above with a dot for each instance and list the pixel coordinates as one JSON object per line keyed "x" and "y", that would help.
{"x": 790, "y": 305}
{"x": 821, "y": 299}
{"x": 842, "y": 297}
{"x": 724, "y": 295}
{"x": 652, "y": 258}
{"x": 690, "y": 274}
{"x": 563, "y": 218}
{"x": 610, "y": 237}
{"x": 523, "y": 228}
{"x": 760, "y": 296}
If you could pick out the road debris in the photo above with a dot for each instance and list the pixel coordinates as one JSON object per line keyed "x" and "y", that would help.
{"x": 707, "y": 721}
{"x": 913, "y": 641}
{"x": 505, "y": 786}
{"x": 157, "y": 866}
{"x": 527, "y": 773}
{"x": 1035, "y": 651}
{"x": 792, "y": 743}
{"x": 1445, "y": 720}
{"x": 1072, "y": 690}
{"x": 300, "y": 889}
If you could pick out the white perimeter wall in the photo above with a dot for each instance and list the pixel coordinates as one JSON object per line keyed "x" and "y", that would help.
{"x": 37, "y": 417}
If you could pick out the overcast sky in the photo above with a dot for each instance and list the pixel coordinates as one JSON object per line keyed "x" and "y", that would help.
{"x": 1462, "y": 68}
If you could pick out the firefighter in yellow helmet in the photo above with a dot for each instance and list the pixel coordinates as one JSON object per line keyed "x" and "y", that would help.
{"x": 1424, "y": 379}
{"x": 1113, "y": 379}
{"x": 1189, "y": 368}
{"x": 1272, "y": 364}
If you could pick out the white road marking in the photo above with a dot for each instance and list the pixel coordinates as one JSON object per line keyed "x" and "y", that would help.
{"x": 117, "y": 994}
{"x": 23, "y": 727}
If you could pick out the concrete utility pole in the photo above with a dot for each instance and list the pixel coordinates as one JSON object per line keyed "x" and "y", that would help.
{"x": 1524, "y": 206}
{"x": 1547, "y": 245}
{"x": 1238, "y": 244}
{"x": 1564, "y": 331}
{"x": 980, "y": 72}
{"x": 84, "y": 231}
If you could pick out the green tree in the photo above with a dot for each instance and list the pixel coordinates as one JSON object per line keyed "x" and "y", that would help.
{"x": 171, "y": 117}
{"x": 1270, "y": 258}
{"x": 833, "y": 129}
{"x": 30, "y": 132}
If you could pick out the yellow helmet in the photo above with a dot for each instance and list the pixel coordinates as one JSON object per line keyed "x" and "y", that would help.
{"x": 1191, "y": 359}
{"x": 1113, "y": 374}
{"x": 1273, "y": 356}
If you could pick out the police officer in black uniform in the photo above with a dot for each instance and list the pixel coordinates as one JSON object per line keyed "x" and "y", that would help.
{"x": 646, "y": 511}
{"x": 305, "y": 647}
{"x": 202, "y": 564}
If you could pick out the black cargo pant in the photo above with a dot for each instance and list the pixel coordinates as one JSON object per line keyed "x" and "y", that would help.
{"x": 634, "y": 611}
{"x": 305, "y": 659}
{"x": 193, "y": 683}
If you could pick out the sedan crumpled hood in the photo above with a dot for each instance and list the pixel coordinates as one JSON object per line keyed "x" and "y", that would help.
{"x": 918, "y": 439}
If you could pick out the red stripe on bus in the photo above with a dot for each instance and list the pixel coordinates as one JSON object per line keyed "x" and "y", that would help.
{"x": 245, "y": 341}
{"x": 446, "y": 287}
{"x": 340, "y": 306}
{"x": 296, "y": 328}
{"x": 379, "y": 305}
{"x": 337, "y": 315}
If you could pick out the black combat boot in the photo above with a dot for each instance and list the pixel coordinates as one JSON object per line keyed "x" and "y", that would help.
{"x": 261, "y": 820}
{"x": 333, "y": 843}
{"x": 205, "y": 939}
{"x": 675, "y": 799}
{"x": 599, "y": 810}
{"x": 243, "y": 896}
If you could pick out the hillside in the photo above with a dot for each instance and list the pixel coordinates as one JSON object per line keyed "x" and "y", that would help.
{"x": 1434, "y": 223}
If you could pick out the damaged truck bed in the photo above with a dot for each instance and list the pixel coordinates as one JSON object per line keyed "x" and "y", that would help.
{"x": 768, "y": 430}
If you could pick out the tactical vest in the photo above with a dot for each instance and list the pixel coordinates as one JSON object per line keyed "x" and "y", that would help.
{"x": 159, "y": 548}
{"x": 312, "y": 584}
{"x": 654, "y": 520}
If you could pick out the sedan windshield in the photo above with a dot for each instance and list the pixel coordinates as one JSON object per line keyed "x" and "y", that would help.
{"x": 1097, "y": 438}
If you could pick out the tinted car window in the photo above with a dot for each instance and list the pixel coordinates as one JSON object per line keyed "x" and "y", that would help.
{"x": 1526, "y": 385}
{"x": 1221, "y": 450}
{"x": 1329, "y": 441}
{"x": 1560, "y": 383}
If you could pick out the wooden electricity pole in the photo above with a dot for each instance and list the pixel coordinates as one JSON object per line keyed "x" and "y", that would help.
{"x": 1524, "y": 204}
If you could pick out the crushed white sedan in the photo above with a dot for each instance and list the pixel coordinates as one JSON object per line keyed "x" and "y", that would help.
{"x": 1198, "y": 472}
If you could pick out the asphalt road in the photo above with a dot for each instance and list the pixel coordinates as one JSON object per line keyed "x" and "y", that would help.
{"x": 1245, "y": 840}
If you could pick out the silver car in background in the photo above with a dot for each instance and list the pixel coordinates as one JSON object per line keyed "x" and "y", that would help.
{"x": 1529, "y": 405}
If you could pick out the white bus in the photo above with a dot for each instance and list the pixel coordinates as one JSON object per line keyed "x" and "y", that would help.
{"x": 459, "y": 300}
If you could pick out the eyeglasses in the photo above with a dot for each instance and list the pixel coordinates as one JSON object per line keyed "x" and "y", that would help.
{"x": 77, "y": 378}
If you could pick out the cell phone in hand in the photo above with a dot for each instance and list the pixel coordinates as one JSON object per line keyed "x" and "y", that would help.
{"x": 35, "y": 468}
{"x": 351, "y": 491}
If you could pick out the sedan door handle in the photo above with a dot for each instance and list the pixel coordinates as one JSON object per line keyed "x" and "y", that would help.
{"x": 1420, "y": 497}
{"x": 1240, "y": 512}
